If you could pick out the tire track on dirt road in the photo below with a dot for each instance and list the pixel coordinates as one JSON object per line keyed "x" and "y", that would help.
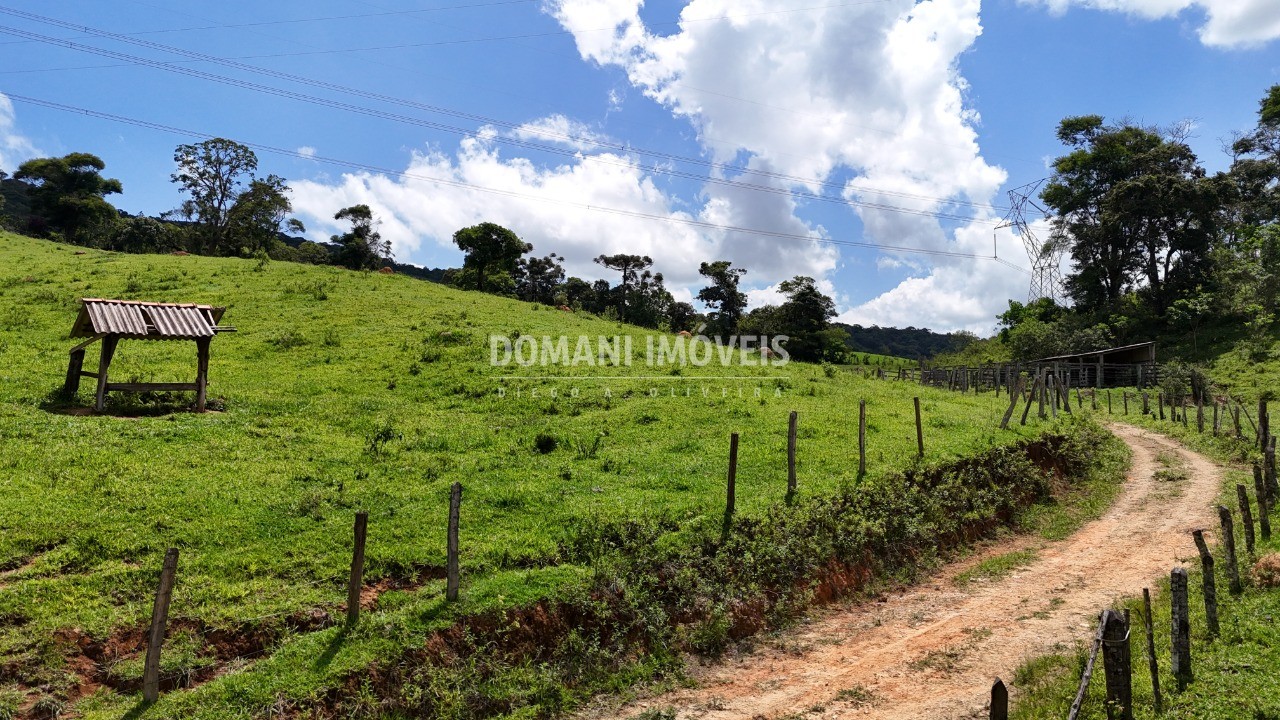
{"x": 933, "y": 650}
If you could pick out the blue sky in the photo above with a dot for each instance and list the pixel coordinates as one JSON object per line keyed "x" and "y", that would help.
{"x": 790, "y": 136}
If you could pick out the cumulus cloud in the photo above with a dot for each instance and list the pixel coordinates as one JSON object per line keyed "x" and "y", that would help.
{"x": 307, "y": 151}
{"x": 440, "y": 193}
{"x": 560, "y": 130}
{"x": 14, "y": 147}
{"x": 1228, "y": 23}
{"x": 870, "y": 92}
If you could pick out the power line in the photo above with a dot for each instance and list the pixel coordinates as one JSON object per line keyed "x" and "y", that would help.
{"x": 507, "y": 193}
{"x": 561, "y": 137}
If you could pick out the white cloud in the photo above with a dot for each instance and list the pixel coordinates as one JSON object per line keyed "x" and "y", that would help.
{"x": 307, "y": 151}
{"x": 14, "y": 147}
{"x": 545, "y": 207}
{"x": 872, "y": 90}
{"x": 561, "y": 130}
{"x": 1228, "y": 23}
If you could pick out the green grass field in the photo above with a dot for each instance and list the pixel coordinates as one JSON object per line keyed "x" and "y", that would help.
{"x": 346, "y": 391}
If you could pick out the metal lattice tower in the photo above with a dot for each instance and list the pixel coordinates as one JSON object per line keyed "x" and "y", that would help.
{"x": 1046, "y": 256}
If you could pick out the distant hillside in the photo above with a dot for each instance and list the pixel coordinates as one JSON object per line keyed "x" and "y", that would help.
{"x": 912, "y": 343}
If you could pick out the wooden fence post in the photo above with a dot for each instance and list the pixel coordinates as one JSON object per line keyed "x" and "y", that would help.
{"x": 1180, "y": 628}
{"x": 1217, "y": 419}
{"x": 1146, "y": 403}
{"x": 452, "y": 581}
{"x": 1125, "y": 393}
{"x": 731, "y": 490}
{"x": 862, "y": 438}
{"x": 1229, "y": 543}
{"x": 999, "y": 701}
{"x": 1116, "y": 666}
{"x": 1199, "y": 416}
{"x": 791, "y": 453}
{"x": 1264, "y": 424}
{"x": 1151, "y": 650}
{"x": 1108, "y": 401}
{"x": 1083, "y": 689}
{"x": 919, "y": 429}
{"x": 1246, "y": 515}
{"x": 1208, "y": 584}
{"x": 1160, "y": 403}
{"x": 1269, "y": 469}
{"x": 356, "y": 582}
{"x": 1079, "y": 399}
{"x": 1014, "y": 397}
{"x": 1026, "y": 411}
{"x": 159, "y": 622}
{"x": 1263, "y": 494}
{"x": 1093, "y": 399}
{"x": 1184, "y": 413}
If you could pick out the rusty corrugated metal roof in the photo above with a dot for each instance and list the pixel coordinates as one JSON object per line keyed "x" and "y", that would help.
{"x": 146, "y": 320}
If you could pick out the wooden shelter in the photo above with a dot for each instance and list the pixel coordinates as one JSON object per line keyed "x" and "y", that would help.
{"x": 114, "y": 320}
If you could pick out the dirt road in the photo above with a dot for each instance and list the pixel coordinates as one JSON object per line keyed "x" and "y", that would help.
{"x": 933, "y": 651}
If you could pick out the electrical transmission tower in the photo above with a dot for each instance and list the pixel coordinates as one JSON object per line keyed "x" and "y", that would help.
{"x": 1046, "y": 257}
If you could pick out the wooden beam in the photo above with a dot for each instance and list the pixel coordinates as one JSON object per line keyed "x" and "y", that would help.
{"x": 202, "y": 373}
{"x": 153, "y": 387}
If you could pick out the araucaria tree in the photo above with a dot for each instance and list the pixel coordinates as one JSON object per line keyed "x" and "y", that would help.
{"x": 213, "y": 174}
{"x": 361, "y": 248}
{"x": 67, "y": 196}
{"x": 727, "y": 303}
{"x": 632, "y": 267}
{"x": 493, "y": 257}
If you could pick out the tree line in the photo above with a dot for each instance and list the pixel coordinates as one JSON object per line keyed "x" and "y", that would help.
{"x": 1161, "y": 247}
{"x": 229, "y": 209}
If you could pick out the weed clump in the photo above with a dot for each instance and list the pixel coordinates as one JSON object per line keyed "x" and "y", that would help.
{"x": 545, "y": 444}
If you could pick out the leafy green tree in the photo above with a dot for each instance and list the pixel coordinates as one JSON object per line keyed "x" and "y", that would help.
{"x": 726, "y": 301}
{"x": 257, "y": 218}
{"x": 577, "y": 294}
{"x": 538, "y": 279}
{"x": 631, "y": 267}
{"x": 682, "y": 316}
{"x": 141, "y": 234}
{"x": 491, "y": 250}
{"x": 362, "y": 247}
{"x": 67, "y": 197}
{"x": 1136, "y": 210}
{"x": 213, "y": 174}
{"x": 805, "y": 317}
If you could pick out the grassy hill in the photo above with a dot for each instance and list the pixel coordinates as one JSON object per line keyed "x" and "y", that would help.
{"x": 346, "y": 391}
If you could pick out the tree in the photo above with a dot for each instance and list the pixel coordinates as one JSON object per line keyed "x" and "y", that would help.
{"x": 805, "y": 317}
{"x": 538, "y": 279}
{"x": 361, "y": 248}
{"x": 257, "y": 218}
{"x": 1135, "y": 209}
{"x": 141, "y": 234}
{"x": 491, "y": 249}
{"x": 681, "y": 316}
{"x": 67, "y": 196}
{"x": 723, "y": 297}
{"x": 213, "y": 174}
{"x": 631, "y": 267}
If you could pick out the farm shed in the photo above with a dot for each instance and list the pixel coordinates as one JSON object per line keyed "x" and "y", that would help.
{"x": 1128, "y": 366}
{"x": 114, "y": 320}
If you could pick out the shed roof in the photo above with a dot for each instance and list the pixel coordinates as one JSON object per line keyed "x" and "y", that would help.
{"x": 1108, "y": 351}
{"x": 146, "y": 320}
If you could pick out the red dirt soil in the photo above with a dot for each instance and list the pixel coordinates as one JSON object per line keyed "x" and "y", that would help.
{"x": 934, "y": 650}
